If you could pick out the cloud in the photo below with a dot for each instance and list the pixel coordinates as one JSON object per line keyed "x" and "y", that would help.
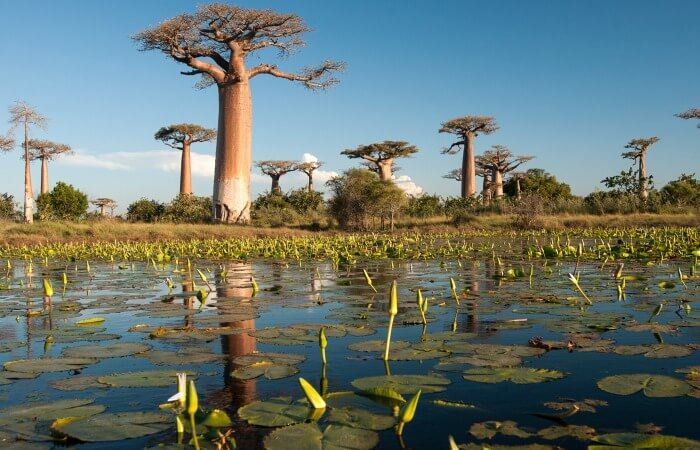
{"x": 81, "y": 159}
{"x": 409, "y": 186}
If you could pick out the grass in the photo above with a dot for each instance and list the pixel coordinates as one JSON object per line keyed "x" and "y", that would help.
{"x": 17, "y": 234}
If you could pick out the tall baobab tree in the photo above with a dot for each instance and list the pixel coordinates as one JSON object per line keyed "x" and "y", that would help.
{"x": 45, "y": 151}
{"x": 456, "y": 174}
{"x": 21, "y": 114}
{"x": 308, "y": 168}
{"x": 215, "y": 43}
{"x": 692, "y": 113}
{"x": 380, "y": 156}
{"x": 638, "y": 152}
{"x": 500, "y": 161}
{"x": 467, "y": 128}
{"x": 181, "y": 136}
{"x": 104, "y": 203}
{"x": 518, "y": 177}
{"x": 275, "y": 169}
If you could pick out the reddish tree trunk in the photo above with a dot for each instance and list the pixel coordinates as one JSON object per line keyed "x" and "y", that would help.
{"x": 185, "y": 171}
{"x": 468, "y": 167}
{"x": 231, "y": 197}
{"x": 44, "y": 176}
{"x": 28, "y": 194}
{"x": 643, "y": 176}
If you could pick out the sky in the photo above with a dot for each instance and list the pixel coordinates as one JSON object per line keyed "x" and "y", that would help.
{"x": 569, "y": 82}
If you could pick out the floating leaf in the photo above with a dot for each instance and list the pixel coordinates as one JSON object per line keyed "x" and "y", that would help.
{"x": 641, "y": 441}
{"x": 517, "y": 375}
{"x": 650, "y": 385}
{"x": 377, "y": 346}
{"x": 116, "y": 426}
{"x": 403, "y": 384}
{"x": 115, "y": 350}
{"x": 308, "y": 436}
{"x": 276, "y": 412}
{"x": 50, "y": 411}
{"x": 487, "y": 430}
{"x": 580, "y": 432}
{"x": 146, "y": 378}
{"x": 42, "y": 365}
{"x": 90, "y": 321}
{"x": 78, "y": 383}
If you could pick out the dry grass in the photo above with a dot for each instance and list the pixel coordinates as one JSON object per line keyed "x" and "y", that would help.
{"x": 15, "y": 234}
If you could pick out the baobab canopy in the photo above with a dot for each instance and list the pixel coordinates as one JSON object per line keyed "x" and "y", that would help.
{"x": 215, "y": 42}
{"x": 381, "y": 155}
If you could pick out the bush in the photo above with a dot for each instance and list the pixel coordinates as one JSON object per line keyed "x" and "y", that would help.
{"x": 683, "y": 191}
{"x": 188, "y": 209}
{"x": 540, "y": 182}
{"x": 64, "y": 202}
{"x": 145, "y": 210}
{"x": 359, "y": 195}
{"x": 424, "y": 206}
{"x": 297, "y": 207}
{"x": 527, "y": 212}
{"x": 8, "y": 207}
{"x": 461, "y": 210}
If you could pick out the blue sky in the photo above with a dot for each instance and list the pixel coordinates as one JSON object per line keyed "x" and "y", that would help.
{"x": 568, "y": 81}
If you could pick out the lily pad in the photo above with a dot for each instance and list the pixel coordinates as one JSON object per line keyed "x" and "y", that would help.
{"x": 487, "y": 430}
{"x": 78, "y": 383}
{"x": 269, "y": 370}
{"x": 517, "y": 375}
{"x": 308, "y": 436}
{"x": 115, "y": 427}
{"x": 641, "y": 441}
{"x": 377, "y": 346}
{"x": 650, "y": 385}
{"x": 580, "y": 432}
{"x": 276, "y": 412}
{"x": 115, "y": 350}
{"x": 42, "y": 365}
{"x": 50, "y": 411}
{"x": 146, "y": 378}
{"x": 404, "y": 384}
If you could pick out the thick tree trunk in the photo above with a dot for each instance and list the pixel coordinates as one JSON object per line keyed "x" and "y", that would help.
{"x": 231, "y": 197}
{"x": 185, "y": 171}
{"x": 643, "y": 177}
{"x": 276, "y": 189}
{"x": 28, "y": 194}
{"x": 103, "y": 213}
{"x": 44, "y": 176}
{"x": 485, "y": 197}
{"x": 468, "y": 167}
{"x": 498, "y": 183}
{"x": 517, "y": 189}
{"x": 385, "y": 169}
{"x": 310, "y": 186}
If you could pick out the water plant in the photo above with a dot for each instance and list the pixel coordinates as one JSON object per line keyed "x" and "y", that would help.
{"x": 393, "y": 310}
{"x": 574, "y": 280}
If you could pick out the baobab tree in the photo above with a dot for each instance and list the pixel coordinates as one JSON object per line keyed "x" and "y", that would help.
{"x": 308, "y": 168}
{"x": 692, "y": 113}
{"x": 456, "y": 174}
{"x": 104, "y": 203}
{"x": 181, "y": 136}
{"x": 7, "y": 143}
{"x": 45, "y": 151}
{"x": 467, "y": 128}
{"x": 639, "y": 148}
{"x": 215, "y": 42}
{"x": 517, "y": 177}
{"x": 275, "y": 169}
{"x": 380, "y": 156}
{"x": 21, "y": 114}
{"x": 500, "y": 161}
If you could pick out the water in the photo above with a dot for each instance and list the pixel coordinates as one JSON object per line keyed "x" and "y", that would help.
{"x": 316, "y": 293}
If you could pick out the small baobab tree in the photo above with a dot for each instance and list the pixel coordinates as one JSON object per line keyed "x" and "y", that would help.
{"x": 517, "y": 177}
{"x": 25, "y": 116}
{"x": 275, "y": 169}
{"x": 308, "y": 168}
{"x": 467, "y": 128}
{"x": 638, "y": 153}
{"x": 380, "y": 156}
{"x": 215, "y": 42}
{"x": 181, "y": 136}
{"x": 500, "y": 161}
{"x": 692, "y": 113}
{"x": 45, "y": 151}
{"x": 456, "y": 174}
{"x": 103, "y": 204}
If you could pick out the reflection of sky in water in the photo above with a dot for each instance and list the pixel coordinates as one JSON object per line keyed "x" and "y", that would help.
{"x": 290, "y": 294}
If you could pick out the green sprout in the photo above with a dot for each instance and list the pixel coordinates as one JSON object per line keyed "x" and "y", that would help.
{"x": 368, "y": 280}
{"x": 408, "y": 412}
{"x": 393, "y": 310}
{"x": 574, "y": 280}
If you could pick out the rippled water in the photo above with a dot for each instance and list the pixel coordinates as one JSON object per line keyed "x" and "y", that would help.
{"x": 316, "y": 294}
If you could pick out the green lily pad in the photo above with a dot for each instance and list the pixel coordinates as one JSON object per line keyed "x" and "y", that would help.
{"x": 146, "y": 378}
{"x": 580, "y": 432}
{"x": 487, "y": 430}
{"x": 415, "y": 354}
{"x": 116, "y": 427}
{"x": 50, "y": 411}
{"x": 115, "y": 350}
{"x": 586, "y": 405}
{"x": 404, "y": 384}
{"x": 641, "y": 441}
{"x": 308, "y": 436}
{"x": 377, "y": 346}
{"x": 650, "y": 385}
{"x": 43, "y": 365}
{"x": 457, "y": 363}
{"x": 517, "y": 375}
{"x": 183, "y": 356}
{"x": 269, "y": 370}
{"x": 360, "y": 418}
{"x": 77, "y": 383}
{"x": 654, "y": 351}
{"x": 276, "y": 412}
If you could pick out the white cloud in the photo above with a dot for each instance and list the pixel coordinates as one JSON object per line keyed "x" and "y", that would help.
{"x": 408, "y": 185}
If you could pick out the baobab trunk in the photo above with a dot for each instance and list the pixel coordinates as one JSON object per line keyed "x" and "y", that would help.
{"x": 231, "y": 197}
{"x": 310, "y": 186}
{"x": 486, "y": 198}
{"x": 498, "y": 183}
{"x": 643, "y": 177}
{"x": 28, "y": 194}
{"x": 275, "y": 185}
{"x": 103, "y": 213}
{"x": 517, "y": 189}
{"x": 185, "y": 171}
{"x": 468, "y": 167}
{"x": 385, "y": 169}
{"x": 44, "y": 176}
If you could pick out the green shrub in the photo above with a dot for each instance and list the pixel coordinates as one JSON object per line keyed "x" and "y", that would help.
{"x": 683, "y": 191}
{"x": 425, "y": 206}
{"x": 8, "y": 207}
{"x": 145, "y": 210}
{"x": 188, "y": 209}
{"x": 64, "y": 202}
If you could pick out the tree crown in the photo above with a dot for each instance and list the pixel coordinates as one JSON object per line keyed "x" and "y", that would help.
{"x": 309, "y": 167}
{"x": 103, "y": 201}
{"x": 639, "y": 146}
{"x": 381, "y": 151}
{"x": 177, "y": 135}
{"x": 276, "y": 168}
{"x": 41, "y": 149}
{"x": 501, "y": 159}
{"x": 21, "y": 113}
{"x": 217, "y": 38}
{"x": 692, "y": 113}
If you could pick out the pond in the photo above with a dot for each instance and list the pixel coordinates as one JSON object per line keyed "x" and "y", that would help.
{"x": 514, "y": 355}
